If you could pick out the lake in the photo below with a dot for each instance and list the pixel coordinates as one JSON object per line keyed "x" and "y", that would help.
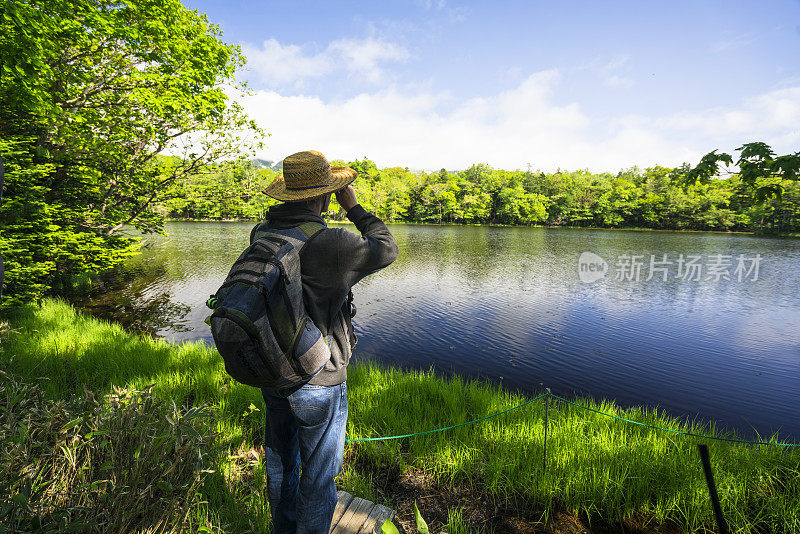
{"x": 714, "y": 333}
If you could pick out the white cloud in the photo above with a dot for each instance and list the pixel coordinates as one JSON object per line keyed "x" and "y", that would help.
{"x": 617, "y": 81}
{"x": 363, "y": 57}
{"x": 525, "y": 124}
{"x": 455, "y": 14}
{"x": 431, "y": 4}
{"x": 611, "y": 72}
{"x": 734, "y": 43}
{"x": 762, "y": 116}
{"x": 276, "y": 65}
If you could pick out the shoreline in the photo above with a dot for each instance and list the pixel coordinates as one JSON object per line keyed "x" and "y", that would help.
{"x": 499, "y": 225}
{"x": 487, "y": 474}
{"x": 444, "y": 372}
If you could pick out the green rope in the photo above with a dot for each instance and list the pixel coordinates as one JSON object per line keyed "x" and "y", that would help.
{"x": 579, "y": 406}
{"x": 449, "y": 427}
{"x": 676, "y": 431}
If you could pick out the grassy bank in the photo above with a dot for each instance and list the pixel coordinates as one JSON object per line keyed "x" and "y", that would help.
{"x": 601, "y": 473}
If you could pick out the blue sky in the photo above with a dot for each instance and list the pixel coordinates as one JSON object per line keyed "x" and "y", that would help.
{"x": 571, "y": 85}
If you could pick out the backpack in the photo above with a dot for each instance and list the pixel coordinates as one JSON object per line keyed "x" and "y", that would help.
{"x": 259, "y": 323}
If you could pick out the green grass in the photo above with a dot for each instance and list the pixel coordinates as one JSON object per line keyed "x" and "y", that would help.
{"x": 125, "y": 463}
{"x": 596, "y": 465}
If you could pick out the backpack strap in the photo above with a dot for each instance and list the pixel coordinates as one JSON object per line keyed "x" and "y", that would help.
{"x": 296, "y": 235}
{"x": 311, "y": 228}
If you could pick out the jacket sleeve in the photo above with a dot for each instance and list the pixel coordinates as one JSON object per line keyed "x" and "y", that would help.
{"x": 374, "y": 249}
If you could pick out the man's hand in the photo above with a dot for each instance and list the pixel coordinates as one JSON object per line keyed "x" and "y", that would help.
{"x": 346, "y": 197}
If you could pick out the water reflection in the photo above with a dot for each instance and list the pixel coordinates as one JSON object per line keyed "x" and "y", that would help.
{"x": 506, "y": 305}
{"x": 128, "y": 299}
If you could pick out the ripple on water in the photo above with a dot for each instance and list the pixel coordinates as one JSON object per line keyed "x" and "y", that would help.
{"x": 506, "y": 304}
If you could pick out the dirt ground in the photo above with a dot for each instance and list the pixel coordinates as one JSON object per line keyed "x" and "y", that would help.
{"x": 479, "y": 509}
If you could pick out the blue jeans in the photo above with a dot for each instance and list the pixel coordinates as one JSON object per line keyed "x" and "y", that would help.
{"x": 307, "y": 426}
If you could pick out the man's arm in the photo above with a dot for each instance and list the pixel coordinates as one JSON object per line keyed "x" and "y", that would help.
{"x": 359, "y": 256}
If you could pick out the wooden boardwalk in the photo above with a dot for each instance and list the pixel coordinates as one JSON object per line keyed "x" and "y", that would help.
{"x": 358, "y": 516}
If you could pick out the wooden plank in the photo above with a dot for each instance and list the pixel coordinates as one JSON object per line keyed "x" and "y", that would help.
{"x": 377, "y": 517}
{"x": 354, "y": 517}
{"x": 343, "y": 500}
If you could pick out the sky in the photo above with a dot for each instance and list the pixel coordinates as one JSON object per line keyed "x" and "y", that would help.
{"x": 603, "y": 86}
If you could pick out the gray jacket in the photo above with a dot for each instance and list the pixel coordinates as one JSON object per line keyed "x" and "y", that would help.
{"x": 331, "y": 262}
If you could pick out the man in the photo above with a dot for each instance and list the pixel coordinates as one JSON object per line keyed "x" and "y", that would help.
{"x": 309, "y": 424}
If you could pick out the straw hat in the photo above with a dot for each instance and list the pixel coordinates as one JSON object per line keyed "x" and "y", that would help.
{"x": 308, "y": 175}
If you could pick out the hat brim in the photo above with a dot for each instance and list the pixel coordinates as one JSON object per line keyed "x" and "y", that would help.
{"x": 340, "y": 177}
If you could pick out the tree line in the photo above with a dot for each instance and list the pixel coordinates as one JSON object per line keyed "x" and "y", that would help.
{"x": 657, "y": 197}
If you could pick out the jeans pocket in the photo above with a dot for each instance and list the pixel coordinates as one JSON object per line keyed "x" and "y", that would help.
{"x": 311, "y": 405}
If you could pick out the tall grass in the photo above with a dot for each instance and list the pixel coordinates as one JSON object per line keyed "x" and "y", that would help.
{"x": 123, "y": 463}
{"x": 63, "y": 352}
{"x": 595, "y": 465}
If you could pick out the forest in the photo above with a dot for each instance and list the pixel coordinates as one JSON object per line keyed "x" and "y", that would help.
{"x": 656, "y": 198}
{"x": 99, "y": 100}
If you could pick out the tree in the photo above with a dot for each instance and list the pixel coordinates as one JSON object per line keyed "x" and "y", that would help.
{"x": 365, "y": 168}
{"x": 759, "y": 170}
{"x": 516, "y": 206}
{"x": 2, "y": 263}
{"x": 394, "y": 183}
{"x": 92, "y": 92}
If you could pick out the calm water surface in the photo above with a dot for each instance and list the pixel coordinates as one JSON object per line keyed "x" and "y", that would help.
{"x": 507, "y": 305}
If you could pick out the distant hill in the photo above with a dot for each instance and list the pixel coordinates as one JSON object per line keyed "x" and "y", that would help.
{"x": 267, "y": 164}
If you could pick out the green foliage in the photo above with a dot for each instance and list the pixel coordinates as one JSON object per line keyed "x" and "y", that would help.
{"x": 389, "y": 528}
{"x": 708, "y": 167}
{"x": 422, "y": 526}
{"x": 658, "y": 197}
{"x": 41, "y": 241}
{"x": 456, "y": 523}
{"x": 61, "y": 351}
{"x": 224, "y": 191}
{"x": 596, "y": 466}
{"x": 93, "y": 92}
{"x": 759, "y": 171}
{"x": 123, "y": 462}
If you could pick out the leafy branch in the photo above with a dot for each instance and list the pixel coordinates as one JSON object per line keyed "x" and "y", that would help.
{"x": 759, "y": 169}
